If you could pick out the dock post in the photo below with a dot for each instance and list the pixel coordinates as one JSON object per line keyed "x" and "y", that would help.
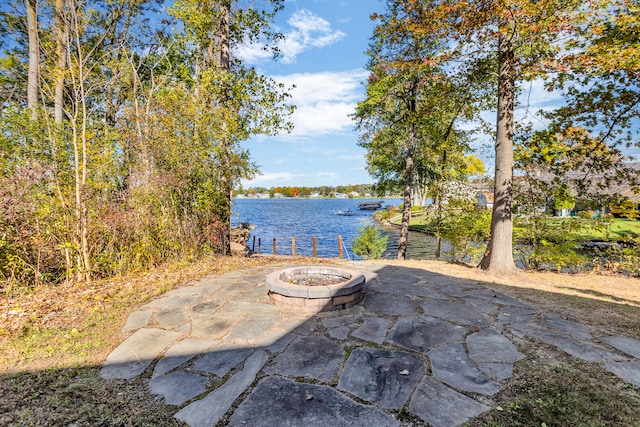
{"x": 274, "y": 245}
{"x": 293, "y": 246}
{"x": 253, "y": 244}
{"x": 340, "y": 245}
{"x": 259, "y": 245}
{"x": 315, "y": 247}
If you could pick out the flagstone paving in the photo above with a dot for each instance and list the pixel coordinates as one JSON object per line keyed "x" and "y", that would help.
{"x": 420, "y": 343}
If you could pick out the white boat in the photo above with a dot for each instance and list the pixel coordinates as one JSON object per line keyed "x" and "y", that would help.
{"x": 348, "y": 212}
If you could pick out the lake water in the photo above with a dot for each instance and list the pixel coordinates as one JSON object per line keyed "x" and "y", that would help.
{"x": 305, "y": 218}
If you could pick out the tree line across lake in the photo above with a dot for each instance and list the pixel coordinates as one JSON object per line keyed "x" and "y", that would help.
{"x": 303, "y": 191}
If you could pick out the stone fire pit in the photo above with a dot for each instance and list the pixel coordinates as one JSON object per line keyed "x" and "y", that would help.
{"x": 316, "y": 288}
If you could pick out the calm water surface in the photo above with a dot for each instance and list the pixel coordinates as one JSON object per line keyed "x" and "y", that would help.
{"x": 304, "y": 218}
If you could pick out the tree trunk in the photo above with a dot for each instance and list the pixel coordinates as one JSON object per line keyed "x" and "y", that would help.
{"x": 80, "y": 144}
{"x": 62, "y": 37}
{"x": 440, "y": 187}
{"x": 438, "y": 228}
{"x": 439, "y": 194}
{"x": 406, "y": 210}
{"x": 33, "y": 78}
{"x": 498, "y": 258}
{"x": 227, "y": 184}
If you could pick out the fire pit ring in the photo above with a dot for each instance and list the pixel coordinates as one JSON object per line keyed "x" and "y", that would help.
{"x": 316, "y": 288}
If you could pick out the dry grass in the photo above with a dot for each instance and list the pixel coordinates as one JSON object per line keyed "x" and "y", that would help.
{"x": 53, "y": 341}
{"x": 553, "y": 389}
{"x": 79, "y": 325}
{"x": 609, "y": 303}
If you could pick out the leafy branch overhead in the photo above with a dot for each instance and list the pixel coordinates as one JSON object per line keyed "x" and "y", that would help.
{"x": 437, "y": 63}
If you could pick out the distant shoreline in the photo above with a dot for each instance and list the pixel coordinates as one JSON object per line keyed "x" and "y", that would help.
{"x": 316, "y": 198}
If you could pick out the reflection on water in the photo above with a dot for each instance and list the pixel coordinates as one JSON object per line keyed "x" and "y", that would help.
{"x": 420, "y": 245}
{"x": 304, "y": 218}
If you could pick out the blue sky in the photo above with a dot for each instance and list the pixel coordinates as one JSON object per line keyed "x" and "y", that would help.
{"x": 324, "y": 57}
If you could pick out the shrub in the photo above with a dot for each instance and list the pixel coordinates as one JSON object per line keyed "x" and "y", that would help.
{"x": 551, "y": 244}
{"x": 382, "y": 215}
{"x": 370, "y": 243}
{"x": 559, "y": 256}
{"x": 466, "y": 227}
{"x": 586, "y": 214}
{"x": 624, "y": 258}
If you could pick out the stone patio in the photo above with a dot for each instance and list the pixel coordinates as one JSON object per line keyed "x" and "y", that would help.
{"x": 435, "y": 347}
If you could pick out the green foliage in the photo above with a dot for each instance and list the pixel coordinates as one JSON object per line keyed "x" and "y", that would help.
{"x": 627, "y": 209}
{"x": 563, "y": 199}
{"x": 370, "y": 243}
{"x": 586, "y": 214}
{"x": 552, "y": 244}
{"x": 139, "y": 171}
{"x": 409, "y": 119}
{"x": 413, "y": 208}
{"x": 629, "y": 258}
{"x": 466, "y": 227}
{"x": 384, "y": 214}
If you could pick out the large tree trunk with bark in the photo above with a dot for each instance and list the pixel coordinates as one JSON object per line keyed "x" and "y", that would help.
{"x": 33, "y": 76}
{"x": 498, "y": 258}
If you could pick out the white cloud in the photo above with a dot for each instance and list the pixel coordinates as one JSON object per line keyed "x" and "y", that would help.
{"x": 326, "y": 86}
{"x": 324, "y": 101}
{"x": 355, "y": 156}
{"x": 253, "y": 53}
{"x": 306, "y": 31}
{"x": 269, "y": 177}
{"x": 322, "y": 118}
{"x": 313, "y": 30}
{"x": 327, "y": 175}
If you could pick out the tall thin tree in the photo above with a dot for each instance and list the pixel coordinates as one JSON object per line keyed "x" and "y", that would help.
{"x": 33, "y": 80}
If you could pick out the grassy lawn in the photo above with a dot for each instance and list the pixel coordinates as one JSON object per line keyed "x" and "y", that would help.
{"x": 419, "y": 221}
{"x": 619, "y": 228}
